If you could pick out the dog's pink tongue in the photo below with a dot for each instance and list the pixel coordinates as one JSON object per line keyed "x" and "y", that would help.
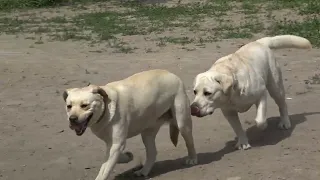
{"x": 78, "y": 128}
{"x": 75, "y": 127}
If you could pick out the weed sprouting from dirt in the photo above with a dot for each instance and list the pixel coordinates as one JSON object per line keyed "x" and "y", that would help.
{"x": 315, "y": 79}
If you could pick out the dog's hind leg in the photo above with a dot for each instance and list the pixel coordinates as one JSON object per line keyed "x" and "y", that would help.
{"x": 261, "y": 119}
{"x": 182, "y": 116}
{"x": 148, "y": 138}
{"x": 276, "y": 91}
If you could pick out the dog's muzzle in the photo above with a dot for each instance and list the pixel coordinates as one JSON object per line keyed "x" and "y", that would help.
{"x": 79, "y": 127}
{"x": 195, "y": 110}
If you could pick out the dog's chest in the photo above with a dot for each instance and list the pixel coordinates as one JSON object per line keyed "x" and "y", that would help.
{"x": 242, "y": 108}
{"x": 243, "y": 103}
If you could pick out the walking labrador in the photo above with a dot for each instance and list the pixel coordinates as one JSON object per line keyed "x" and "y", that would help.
{"x": 139, "y": 104}
{"x": 237, "y": 81}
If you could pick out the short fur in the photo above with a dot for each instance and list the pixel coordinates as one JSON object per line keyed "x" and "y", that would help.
{"x": 139, "y": 104}
{"x": 237, "y": 81}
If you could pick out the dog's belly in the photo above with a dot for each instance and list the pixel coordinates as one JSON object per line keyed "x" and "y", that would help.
{"x": 244, "y": 103}
{"x": 147, "y": 122}
{"x": 243, "y": 108}
{"x": 138, "y": 128}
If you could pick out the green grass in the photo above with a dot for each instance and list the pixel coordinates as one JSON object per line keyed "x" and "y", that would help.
{"x": 308, "y": 28}
{"x": 303, "y": 6}
{"x": 249, "y": 7}
{"x": 22, "y": 4}
{"x": 177, "y": 40}
{"x": 209, "y": 20}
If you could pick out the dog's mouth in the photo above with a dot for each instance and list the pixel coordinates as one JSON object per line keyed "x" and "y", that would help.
{"x": 195, "y": 111}
{"x": 198, "y": 115}
{"x": 80, "y": 128}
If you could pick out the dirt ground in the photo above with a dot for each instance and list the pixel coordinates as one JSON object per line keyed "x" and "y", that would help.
{"x": 37, "y": 144}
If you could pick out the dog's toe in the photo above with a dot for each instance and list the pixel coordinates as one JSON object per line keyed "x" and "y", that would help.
{"x": 284, "y": 125}
{"x": 192, "y": 161}
{"x": 140, "y": 173}
{"x": 243, "y": 145}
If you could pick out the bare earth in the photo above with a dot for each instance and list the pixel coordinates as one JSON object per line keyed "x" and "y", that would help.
{"x": 37, "y": 144}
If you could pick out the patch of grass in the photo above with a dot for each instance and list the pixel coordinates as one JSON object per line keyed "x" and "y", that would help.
{"x": 303, "y": 6}
{"x": 58, "y": 20}
{"x": 120, "y": 46}
{"x": 315, "y": 79}
{"x": 40, "y": 30}
{"x": 10, "y": 25}
{"x": 12, "y": 4}
{"x": 206, "y": 39}
{"x": 156, "y": 13}
{"x": 161, "y": 43}
{"x": 20, "y": 4}
{"x": 177, "y": 40}
{"x": 146, "y": 19}
{"x": 244, "y": 30}
{"x": 140, "y": 19}
{"x": 308, "y": 28}
{"x": 69, "y": 34}
{"x": 108, "y": 24}
{"x": 249, "y": 7}
{"x": 312, "y": 7}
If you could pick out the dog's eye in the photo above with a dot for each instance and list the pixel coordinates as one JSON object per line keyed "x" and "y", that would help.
{"x": 195, "y": 92}
{"x": 84, "y": 106}
{"x": 69, "y": 106}
{"x": 218, "y": 81}
{"x": 206, "y": 93}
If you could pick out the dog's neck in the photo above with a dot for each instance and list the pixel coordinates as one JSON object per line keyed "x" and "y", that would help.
{"x": 109, "y": 106}
{"x": 105, "y": 101}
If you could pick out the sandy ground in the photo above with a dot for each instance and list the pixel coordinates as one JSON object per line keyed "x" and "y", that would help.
{"x": 37, "y": 144}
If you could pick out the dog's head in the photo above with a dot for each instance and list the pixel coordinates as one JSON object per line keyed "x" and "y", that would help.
{"x": 84, "y": 106}
{"x": 211, "y": 91}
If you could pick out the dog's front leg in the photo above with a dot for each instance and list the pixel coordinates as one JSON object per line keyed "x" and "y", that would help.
{"x": 124, "y": 157}
{"x": 107, "y": 167}
{"x": 234, "y": 121}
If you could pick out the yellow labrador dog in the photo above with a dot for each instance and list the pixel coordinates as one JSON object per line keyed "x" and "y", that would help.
{"x": 237, "y": 81}
{"x": 139, "y": 104}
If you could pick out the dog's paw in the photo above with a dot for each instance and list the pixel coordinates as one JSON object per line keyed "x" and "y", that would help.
{"x": 125, "y": 157}
{"x": 141, "y": 173}
{"x": 284, "y": 124}
{"x": 243, "y": 144}
{"x": 191, "y": 161}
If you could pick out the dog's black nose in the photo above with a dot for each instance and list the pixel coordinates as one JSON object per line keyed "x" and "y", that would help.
{"x": 73, "y": 118}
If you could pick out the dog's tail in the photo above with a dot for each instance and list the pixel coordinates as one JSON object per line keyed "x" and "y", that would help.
{"x": 174, "y": 134}
{"x": 285, "y": 41}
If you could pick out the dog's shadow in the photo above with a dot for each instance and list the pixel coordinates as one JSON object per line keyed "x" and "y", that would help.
{"x": 270, "y": 136}
{"x": 273, "y": 135}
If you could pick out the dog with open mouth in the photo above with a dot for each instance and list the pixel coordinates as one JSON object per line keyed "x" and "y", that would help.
{"x": 139, "y": 104}
{"x": 242, "y": 79}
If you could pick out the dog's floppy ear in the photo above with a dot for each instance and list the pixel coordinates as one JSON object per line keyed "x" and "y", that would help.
{"x": 99, "y": 90}
{"x": 65, "y": 94}
{"x": 226, "y": 81}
